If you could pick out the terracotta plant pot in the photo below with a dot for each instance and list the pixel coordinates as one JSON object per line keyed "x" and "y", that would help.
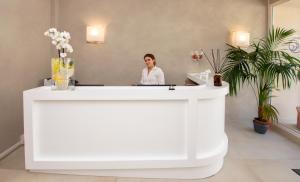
{"x": 217, "y": 80}
{"x": 261, "y": 127}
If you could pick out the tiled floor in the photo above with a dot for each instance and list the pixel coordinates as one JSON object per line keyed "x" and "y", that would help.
{"x": 251, "y": 157}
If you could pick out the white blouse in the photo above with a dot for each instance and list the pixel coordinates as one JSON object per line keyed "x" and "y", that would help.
{"x": 155, "y": 76}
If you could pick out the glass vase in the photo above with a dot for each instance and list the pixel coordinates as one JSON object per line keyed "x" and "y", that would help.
{"x": 62, "y": 73}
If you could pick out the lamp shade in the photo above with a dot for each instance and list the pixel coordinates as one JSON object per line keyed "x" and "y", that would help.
{"x": 95, "y": 34}
{"x": 241, "y": 39}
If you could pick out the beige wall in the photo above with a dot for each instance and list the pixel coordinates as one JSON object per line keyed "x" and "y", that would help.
{"x": 168, "y": 28}
{"x": 24, "y": 60}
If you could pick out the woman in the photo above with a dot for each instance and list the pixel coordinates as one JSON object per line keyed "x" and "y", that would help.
{"x": 152, "y": 75}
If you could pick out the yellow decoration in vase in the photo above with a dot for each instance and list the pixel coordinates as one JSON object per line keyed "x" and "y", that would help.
{"x": 55, "y": 67}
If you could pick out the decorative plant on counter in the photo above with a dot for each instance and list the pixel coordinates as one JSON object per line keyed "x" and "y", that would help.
{"x": 265, "y": 67}
{"x": 62, "y": 67}
{"x": 217, "y": 64}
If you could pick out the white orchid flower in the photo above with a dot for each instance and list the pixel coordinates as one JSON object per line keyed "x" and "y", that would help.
{"x": 69, "y": 48}
{"x": 65, "y": 35}
{"x": 52, "y": 30}
{"x": 60, "y": 40}
{"x": 57, "y": 39}
{"x": 65, "y": 45}
{"x": 55, "y": 35}
{"x": 58, "y": 47}
{"x": 54, "y": 42}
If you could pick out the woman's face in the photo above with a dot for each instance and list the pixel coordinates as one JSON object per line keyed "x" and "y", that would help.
{"x": 149, "y": 62}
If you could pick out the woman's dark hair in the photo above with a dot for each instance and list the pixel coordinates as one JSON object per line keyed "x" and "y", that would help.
{"x": 152, "y": 57}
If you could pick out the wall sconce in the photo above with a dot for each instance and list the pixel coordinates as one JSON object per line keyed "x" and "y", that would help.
{"x": 241, "y": 39}
{"x": 95, "y": 34}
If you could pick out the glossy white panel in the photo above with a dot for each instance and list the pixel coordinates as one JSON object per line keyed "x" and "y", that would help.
{"x": 110, "y": 130}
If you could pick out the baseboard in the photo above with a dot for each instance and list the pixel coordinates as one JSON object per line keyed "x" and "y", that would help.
{"x": 287, "y": 132}
{"x": 12, "y": 148}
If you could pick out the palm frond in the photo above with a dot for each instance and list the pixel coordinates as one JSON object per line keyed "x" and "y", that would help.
{"x": 266, "y": 66}
{"x": 276, "y": 36}
{"x": 283, "y": 73}
{"x": 269, "y": 113}
{"x": 237, "y": 69}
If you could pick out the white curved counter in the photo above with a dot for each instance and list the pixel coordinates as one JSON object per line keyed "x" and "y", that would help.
{"x": 126, "y": 131}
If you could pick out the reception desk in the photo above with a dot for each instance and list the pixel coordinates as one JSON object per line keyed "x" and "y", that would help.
{"x": 152, "y": 132}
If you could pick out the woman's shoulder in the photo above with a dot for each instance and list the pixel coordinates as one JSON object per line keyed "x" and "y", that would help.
{"x": 158, "y": 69}
{"x": 144, "y": 69}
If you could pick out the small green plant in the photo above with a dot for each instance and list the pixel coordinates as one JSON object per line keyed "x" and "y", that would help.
{"x": 267, "y": 66}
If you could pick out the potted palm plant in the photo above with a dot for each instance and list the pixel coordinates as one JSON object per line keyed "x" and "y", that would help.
{"x": 266, "y": 66}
